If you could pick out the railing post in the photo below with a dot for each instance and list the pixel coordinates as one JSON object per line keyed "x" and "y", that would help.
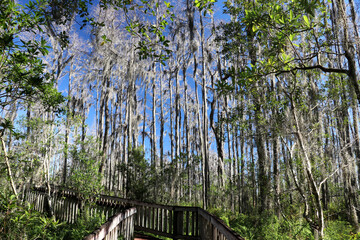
{"x": 178, "y": 223}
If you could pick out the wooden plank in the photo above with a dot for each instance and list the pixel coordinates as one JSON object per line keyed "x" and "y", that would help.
{"x": 161, "y": 225}
{"x": 67, "y": 213}
{"x": 171, "y": 229}
{"x": 197, "y": 230}
{"x": 178, "y": 223}
{"x": 214, "y": 232}
{"x": 187, "y": 223}
{"x": 153, "y": 217}
{"x": 143, "y": 215}
{"x": 166, "y": 219}
{"x": 71, "y": 211}
{"x": 136, "y": 203}
{"x": 157, "y": 227}
{"x": 61, "y": 206}
{"x": 132, "y": 227}
{"x": 193, "y": 230}
{"x": 75, "y": 210}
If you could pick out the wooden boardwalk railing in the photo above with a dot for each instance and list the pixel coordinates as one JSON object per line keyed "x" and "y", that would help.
{"x": 174, "y": 222}
{"x": 67, "y": 206}
{"x": 178, "y": 222}
{"x": 122, "y": 224}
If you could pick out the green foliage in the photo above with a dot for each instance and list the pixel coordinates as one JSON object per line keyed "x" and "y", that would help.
{"x": 139, "y": 175}
{"x": 153, "y": 43}
{"x": 339, "y": 230}
{"x": 265, "y": 226}
{"x": 85, "y": 176}
{"x": 22, "y": 75}
{"x": 83, "y": 226}
{"x": 268, "y": 226}
{"x": 21, "y": 222}
{"x": 206, "y": 5}
{"x": 283, "y": 23}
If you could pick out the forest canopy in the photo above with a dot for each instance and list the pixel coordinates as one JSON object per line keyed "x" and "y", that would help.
{"x": 247, "y": 108}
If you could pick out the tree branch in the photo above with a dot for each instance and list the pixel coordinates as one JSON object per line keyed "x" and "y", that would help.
{"x": 8, "y": 168}
{"x": 322, "y": 68}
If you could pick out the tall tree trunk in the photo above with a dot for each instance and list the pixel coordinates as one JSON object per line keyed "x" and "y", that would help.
{"x": 154, "y": 159}
{"x": 276, "y": 173}
{"x": 201, "y": 138}
{"x": 104, "y": 109}
{"x": 144, "y": 116}
{"x": 348, "y": 48}
{"x": 177, "y": 134}
{"x": 205, "y": 156}
{"x": 348, "y": 166}
{"x": 319, "y": 226}
{"x": 119, "y": 130}
{"x": 355, "y": 112}
{"x": 186, "y": 126}
{"x": 67, "y": 126}
{"x": 162, "y": 123}
{"x": 171, "y": 135}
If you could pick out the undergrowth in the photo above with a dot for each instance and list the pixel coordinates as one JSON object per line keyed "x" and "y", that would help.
{"x": 268, "y": 227}
{"x": 22, "y": 222}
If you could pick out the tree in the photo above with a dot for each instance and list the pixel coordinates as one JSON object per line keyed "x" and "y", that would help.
{"x": 22, "y": 75}
{"x": 297, "y": 48}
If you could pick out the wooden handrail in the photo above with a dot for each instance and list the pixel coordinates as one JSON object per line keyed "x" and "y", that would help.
{"x": 218, "y": 227}
{"x": 68, "y": 206}
{"x": 114, "y": 226}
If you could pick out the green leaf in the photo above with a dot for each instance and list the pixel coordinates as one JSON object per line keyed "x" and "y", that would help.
{"x": 291, "y": 37}
{"x": 254, "y": 28}
{"x": 307, "y": 22}
{"x": 281, "y": 20}
{"x": 197, "y": 3}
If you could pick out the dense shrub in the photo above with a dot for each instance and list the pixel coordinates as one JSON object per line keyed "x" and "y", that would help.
{"x": 267, "y": 226}
{"x": 22, "y": 222}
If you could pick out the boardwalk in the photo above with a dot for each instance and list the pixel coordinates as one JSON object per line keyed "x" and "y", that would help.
{"x": 175, "y": 222}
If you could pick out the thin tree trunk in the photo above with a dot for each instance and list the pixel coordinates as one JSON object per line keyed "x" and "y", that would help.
{"x": 276, "y": 172}
{"x": 177, "y": 133}
{"x": 201, "y": 138}
{"x": 8, "y": 166}
{"x": 67, "y": 126}
{"x": 153, "y": 124}
{"x": 315, "y": 191}
{"x": 186, "y": 126}
{"x": 205, "y": 156}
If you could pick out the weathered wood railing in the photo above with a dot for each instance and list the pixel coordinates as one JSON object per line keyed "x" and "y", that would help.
{"x": 177, "y": 222}
{"x": 67, "y": 206}
{"x": 174, "y": 222}
{"x": 122, "y": 224}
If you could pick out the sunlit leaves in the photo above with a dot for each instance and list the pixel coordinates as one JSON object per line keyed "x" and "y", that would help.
{"x": 205, "y": 5}
{"x": 21, "y": 71}
{"x": 286, "y": 58}
{"x": 105, "y": 40}
{"x": 278, "y": 27}
{"x": 153, "y": 43}
{"x": 306, "y": 21}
